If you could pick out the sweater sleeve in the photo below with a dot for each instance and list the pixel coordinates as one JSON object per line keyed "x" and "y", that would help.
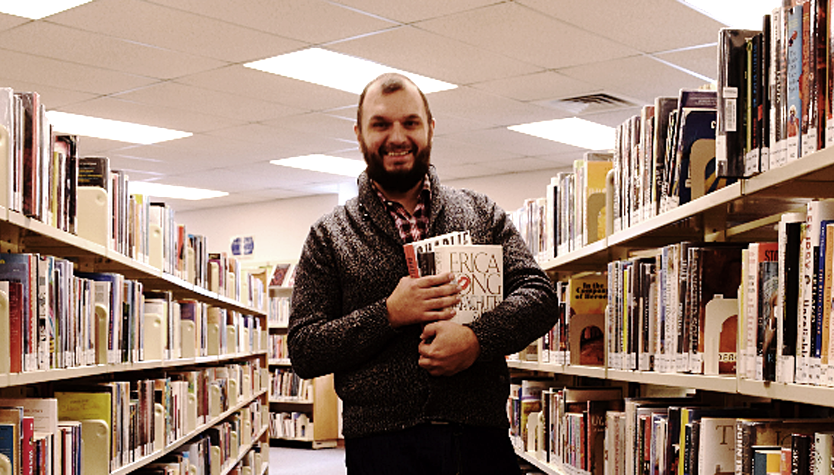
{"x": 321, "y": 339}
{"x": 529, "y": 308}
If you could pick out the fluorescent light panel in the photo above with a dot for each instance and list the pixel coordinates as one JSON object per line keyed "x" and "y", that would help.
{"x": 37, "y": 9}
{"x": 159, "y": 190}
{"x": 573, "y": 131}
{"x": 324, "y": 164}
{"x": 339, "y": 71}
{"x": 111, "y": 129}
{"x": 737, "y": 13}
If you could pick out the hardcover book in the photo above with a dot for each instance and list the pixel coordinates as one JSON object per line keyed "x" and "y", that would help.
{"x": 587, "y": 297}
{"x": 419, "y": 266}
{"x": 479, "y": 270}
{"x": 732, "y": 56}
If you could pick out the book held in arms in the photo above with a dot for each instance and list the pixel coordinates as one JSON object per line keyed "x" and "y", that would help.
{"x": 478, "y": 268}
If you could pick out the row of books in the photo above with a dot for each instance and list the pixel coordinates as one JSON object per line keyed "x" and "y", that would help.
{"x": 202, "y": 457}
{"x": 572, "y": 214}
{"x": 278, "y": 349}
{"x": 284, "y": 383}
{"x": 53, "y": 321}
{"x": 594, "y": 430}
{"x": 278, "y": 314}
{"x": 760, "y": 309}
{"x": 44, "y": 178}
{"x": 290, "y": 425}
{"x": 126, "y": 421}
{"x": 675, "y": 309}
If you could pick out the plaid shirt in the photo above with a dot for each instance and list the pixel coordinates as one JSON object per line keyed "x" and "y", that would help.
{"x": 412, "y": 227}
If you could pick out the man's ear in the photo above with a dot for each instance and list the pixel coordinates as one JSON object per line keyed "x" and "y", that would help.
{"x": 357, "y": 131}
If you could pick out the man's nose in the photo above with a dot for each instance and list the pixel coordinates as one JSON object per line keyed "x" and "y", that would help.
{"x": 398, "y": 134}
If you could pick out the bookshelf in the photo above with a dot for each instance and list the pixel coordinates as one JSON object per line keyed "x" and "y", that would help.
{"x": 745, "y": 211}
{"x": 319, "y": 405}
{"x": 242, "y": 404}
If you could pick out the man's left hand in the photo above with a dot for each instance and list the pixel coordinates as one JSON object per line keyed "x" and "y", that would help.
{"x": 447, "y": 348}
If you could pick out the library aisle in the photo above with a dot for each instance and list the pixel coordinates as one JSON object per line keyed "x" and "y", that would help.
{"x": 293, "y": 461}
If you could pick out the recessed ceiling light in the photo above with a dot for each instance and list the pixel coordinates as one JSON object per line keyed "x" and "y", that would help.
{"x": 336, "y": 70}
{"x": 324, "y": 164}
{"x": 573, "y": 131}
{"x": 158, "y": 190}
{"x": 736, "y": 14}
{"x": 35, "y": 10}
{"x": 111, "y": 129}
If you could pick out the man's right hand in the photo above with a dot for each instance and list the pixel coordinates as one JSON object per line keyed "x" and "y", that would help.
{"x": 423, "y": 300}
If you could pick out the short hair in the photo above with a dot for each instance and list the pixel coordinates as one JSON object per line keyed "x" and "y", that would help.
{"x": 391, "y": 83}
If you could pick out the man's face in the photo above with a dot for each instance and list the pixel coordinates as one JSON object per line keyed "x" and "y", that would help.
{"x": 395, "y": 137}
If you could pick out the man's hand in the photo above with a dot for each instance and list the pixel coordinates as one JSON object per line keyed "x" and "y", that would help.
{"x": 447, "y": 348}
{"x": 423, "y": 300}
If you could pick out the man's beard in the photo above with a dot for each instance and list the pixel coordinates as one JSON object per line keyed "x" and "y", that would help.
{"x": 398, "y": 181}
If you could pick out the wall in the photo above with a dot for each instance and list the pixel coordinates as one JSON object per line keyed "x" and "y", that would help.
{"x": 280, "y": 226}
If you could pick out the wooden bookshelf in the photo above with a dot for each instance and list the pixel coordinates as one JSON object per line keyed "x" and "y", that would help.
{"x": 323, "y": 407}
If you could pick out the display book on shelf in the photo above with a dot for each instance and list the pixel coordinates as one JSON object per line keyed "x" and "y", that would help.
{"x": 68, "y": 334}
{"x": 300, "y": 410}
{"x": 776, "y": 224}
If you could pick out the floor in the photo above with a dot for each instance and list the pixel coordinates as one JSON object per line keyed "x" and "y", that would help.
{"x": 292, "y": 461}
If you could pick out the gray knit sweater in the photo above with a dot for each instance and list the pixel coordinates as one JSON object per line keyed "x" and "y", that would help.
{"x": 351, "y": 262}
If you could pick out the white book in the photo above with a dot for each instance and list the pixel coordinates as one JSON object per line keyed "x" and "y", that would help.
{"x": 479, "y": 270}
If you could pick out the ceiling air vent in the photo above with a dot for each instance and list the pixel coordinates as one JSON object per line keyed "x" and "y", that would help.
{"x": 597, "y": 102}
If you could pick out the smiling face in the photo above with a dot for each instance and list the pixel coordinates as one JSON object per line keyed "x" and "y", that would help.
{"x": 395, "y": 135}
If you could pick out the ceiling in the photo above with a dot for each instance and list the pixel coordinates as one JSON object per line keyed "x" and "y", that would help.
{"x": 179, "y": 64}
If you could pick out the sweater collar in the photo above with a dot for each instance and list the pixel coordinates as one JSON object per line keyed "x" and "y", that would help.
{"x": 375, "y": 209}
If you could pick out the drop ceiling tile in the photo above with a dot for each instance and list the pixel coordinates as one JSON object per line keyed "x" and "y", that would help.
{"x": 489, "y": 108}
{"x": 408, "y": 12}
{"x": 271, "y": 87}
{"x": 281, "y": 143}
{"x": 520, "y": 164}
{"x": 640, "y": 77}
{"x": 52, "y": 97}
{"x": 702, "y": 60}
{"x": 204, "y": 101}
{"x": 538, "y": 86}
{"x": 317, "y": 123}
{"x": 526, "y": 35}
{"x": 311, "y": 21}
{"x": 64, "y": 74}
{"x": 450, "y": 172}
{"x": 562, "y": 162}
{"x": 176, "y": 30}
{"x": 614, "y": 118}
{"x": 10, "y": 21}
{"x": 93, "y": 49}
{"x": 646, "y": 25}
{"x": 512, "y": 142}
{"x": 157, "y": 115}
{"x": 422, "y": 52}
{"x": 453, "y": 152}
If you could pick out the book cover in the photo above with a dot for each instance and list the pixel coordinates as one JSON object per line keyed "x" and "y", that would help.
{"x": 729, "y": 136}
{"x": 775, "y": 432}
{"x": 793, "y": 46}
{"x": 716, "y": 447}
{"x": 593, "y": 196}
{"x": 22, "y": 268}
{"x": 13, "y": 416}
{"x": 414, "y": 249}
{"x": 663, "y": 106}
{"x": 720, "y": 275}
{"x": 479, "y": 270}
{"x": 587, "y": 297}
{"x": 790, "y": 237}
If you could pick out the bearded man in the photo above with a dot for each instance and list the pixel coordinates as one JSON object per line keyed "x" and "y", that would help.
{"x": 421, "y": 394}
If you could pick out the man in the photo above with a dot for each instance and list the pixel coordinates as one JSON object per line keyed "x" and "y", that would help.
{"x": 421, "y": 394}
